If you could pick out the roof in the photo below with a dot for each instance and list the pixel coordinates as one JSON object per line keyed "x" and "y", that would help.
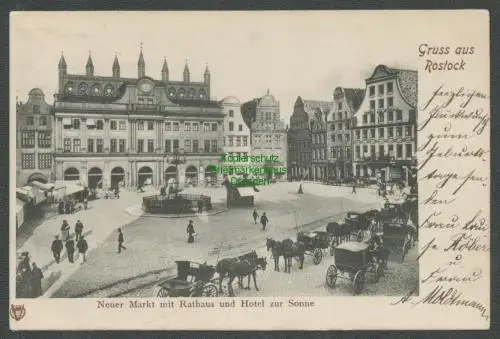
{"x": 407, "y": 81}
{"x": 196, "y": 103}
{"x": 311, "y": 105}
{"x": 354, "y": 97}
{"x": 268, "y": 100}
{"x": 36, "y": 91}
{"x": 352, "y": 246}
{"x": 249, "y": 111}
{"x": 230, "y": 100}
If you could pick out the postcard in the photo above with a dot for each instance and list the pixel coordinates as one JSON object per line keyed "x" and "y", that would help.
{"x": 298, "y": 170}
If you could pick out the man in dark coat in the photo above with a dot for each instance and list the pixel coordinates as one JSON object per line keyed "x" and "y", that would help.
{"x": 56, "y": 248}
{"x": 200, "y": 206}
{"x": 78, "y": 230}
{"x": 70, "y": 249}
{"x": 353, "y": 189}
{"x": 264, "y": 221}
{"x": 36, "y": 281}
{"x": 120, "y": 241}
{"x": 82, "y": 248}
{"x": 190, "y": 231}
{"x": 255, "y": 216}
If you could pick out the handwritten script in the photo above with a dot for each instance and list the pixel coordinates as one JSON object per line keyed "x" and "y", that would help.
{"x": 453, "y": 174}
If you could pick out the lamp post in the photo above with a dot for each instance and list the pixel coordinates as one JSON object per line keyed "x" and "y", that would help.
{"x": 176, "y": 158}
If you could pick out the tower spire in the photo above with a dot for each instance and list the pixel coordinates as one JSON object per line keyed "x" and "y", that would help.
{"x": 186, "y": 72}
{"x": 141, "y": 65}
{"x": 116, "y": 67}
{"x": 206, "y": 75}
{"x": 164, "y": 70}
{"x": 90, "y": 66}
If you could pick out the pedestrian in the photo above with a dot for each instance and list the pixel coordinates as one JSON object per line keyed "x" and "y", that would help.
{"x": 36, "y": 281}
{"x": 85, "y": 203}
{"x": 255, "y": 216}
{"x": 82, "y": 248}
{"x": 264, "y": 221}
{"x": 65, "y": 230}
{"x": 70, "y": 249}
{"x": 56, "y": 248}
{"x": 200, "y": 206}
{"x": 120, "y": 241}
{"x": 190, "y": 231}
{"x": 117, "y": 192}
{"x": 353, "y": 189}
{"x": 78, "y": 230}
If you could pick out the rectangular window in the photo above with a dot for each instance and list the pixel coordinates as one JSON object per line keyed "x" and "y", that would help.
{"x": 151, "y": 146}
{"x": 390, "y": 102}
{"x": 372, "y": 133}
{"x": 240, "y": 127}
{"x": 230, "y": 141}
{"x": 175, "y": 126}
{"x": 399, "y": 115}
{"x": 176, "y": 145}
{"x": 187, "y": 127}
{"x": 27, "y": 139}
{"x": 113, "y": 125}
{"x": 67, "y": 145}
{"x": 214, "y": 146}
{"x": 407, "y": 131}
{"x": 390, "y": 132}
{"x": 77, "y": 145}
{"x": 45, "y": 160}
{"x": 206, "y": 127}
{"x": 122, "y": 146}
{"x": 238, "y": 141}
{"x": 381, "y": 133}
{"x": 196, "y": 147}
{"x": 340, "y": 137}
{"x": 168, "y": 146}
{"x": 42, "y": 121}
{"x": 380, "y": 89}
{"x": 365, "y": 151}
{"x": 372, "y": 150}
{"x": 372, "y": 118}
{"x": 99, "y": 145}
{"x": 348, "y": 152}
{"x": 399, "y": 131}
{"x": 389, "y": 88}
{"x": 372, "y": 90}
{"x": 332, "y": 127}
{"x": 28, "y": 160}
{"x": 245, "y": 141}
{"x": 340, "y": 126}
{"x": 390, "y": 150}
{"x": 214, "y": 127}
{"x": 347, "y": 125}
{"x": 231, "y": 126}
{"x": 90, "y": 145}
{"x": 409, "y": 151}
{"x": 334, "y": 152}
{"x": 140, "y": 125}
{"x": 99, "y": 125}
{"x": 66, "y": 123}
{"x": 206, "y": 145}
{"x": 231, "y": 113}
{"x": 381, "y": 117}
{"x": 399, "y": 151}
{"x": 381, "y": 150}
{"x": 365, "y": 134}
{"x": 122, "y": 125}
{"x": 339, "y": 115}
{"x": 358, "y": 134}
{"x": 380, "y": 103}
{"x": 340, "y": 105}
{"x": 150, "y": 101}
{"x": 113, "y": 146}
{"x": 140, "y": 145}
{"x": 194, "y": 127}
{"x": 187, "y": 146}
{"x": 390, "y": 116}
{"x": 75, "y": 123}
{"x": 372, "y": 105}
{"x": 36, "y": 109}
{"x": 151, "y": 125}
{"x": 168, "y": 126}
{"x": 268, "y": 139}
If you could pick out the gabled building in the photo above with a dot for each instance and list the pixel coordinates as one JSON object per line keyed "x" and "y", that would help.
{"x": 319, "y": 142}
{"x": 346, "y": 102}
{"x": 34, "y": 140}
{"x": 236, "y": 130}
{"x": 112, "y": 130}
{"x": 299, "y": 142}
{"x": 267, "y": 131}
{"x": 384, "y": 126}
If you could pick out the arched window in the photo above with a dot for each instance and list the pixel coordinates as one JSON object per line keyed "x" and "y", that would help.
{"x": 70, "y": 88}
{"x": 96, "y": 90}
{"x": 181, "y": 94}
{"x": 202, "y": 94}
{"x": 83, "y": 89}
{"x": 71, "y": 174}
{"x": 109, "y": 90}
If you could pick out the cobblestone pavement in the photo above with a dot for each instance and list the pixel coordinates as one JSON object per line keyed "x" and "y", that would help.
{"x": 154, "y": 244}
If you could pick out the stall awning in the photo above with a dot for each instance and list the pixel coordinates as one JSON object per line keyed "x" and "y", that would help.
{"x": 42, "y": 186}
{"x": 66, "y": 121}
{"x": 246, "y": 191}
{"x": 90, "y": 122}
{"x": 72, "y": 188}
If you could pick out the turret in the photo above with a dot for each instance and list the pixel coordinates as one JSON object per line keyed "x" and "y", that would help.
{"x": 141, "y": 65}
{"x": 62, "y": 72}
{"x": 164, "y": 71}
{"x": 116, "y": 68}
{"x": 90, "y": 66}
{"x": 186, "y": 73}
{"x": 206, "y": 76}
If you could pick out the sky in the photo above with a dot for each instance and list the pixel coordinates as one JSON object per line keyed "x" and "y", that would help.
{"x": 289, "y": 53}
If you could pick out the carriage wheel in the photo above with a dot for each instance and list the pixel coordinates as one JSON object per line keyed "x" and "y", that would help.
{"x": 358, "y": 283}
{"x": 378, "y": 272}
{"x": 210, "y": 290}
{"x": 163, "y": 293}
{"x": 406, "y": 247}
{"x": 317, "y": 256}
{"x": 331, "y": 276}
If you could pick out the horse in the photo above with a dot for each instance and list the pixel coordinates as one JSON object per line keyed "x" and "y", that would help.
{"x": 277, "y": 250}
{"x": 293, "y": 250}
{"x": 234, "y": 267}
{"x": 341, "y": 232}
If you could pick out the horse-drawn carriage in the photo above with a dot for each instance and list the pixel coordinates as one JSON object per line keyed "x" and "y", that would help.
{"x": 355, "y": 225}
{"x": 393, "y": 212}
{"x": 192, "y": 280}
{"x": 353, "y": 260}
{"x": 398, "y": 236}
{"x": 315, "y": 242}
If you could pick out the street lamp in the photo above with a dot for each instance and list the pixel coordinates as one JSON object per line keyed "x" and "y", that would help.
{"x": 176, "y": 158}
